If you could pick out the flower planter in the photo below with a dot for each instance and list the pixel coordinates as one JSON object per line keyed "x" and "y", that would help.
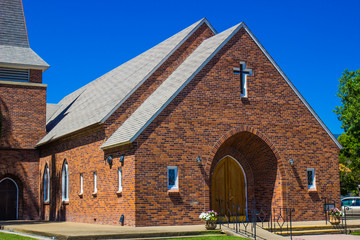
{"x": 334, "y": 220}
{"x": 210, "y": 224}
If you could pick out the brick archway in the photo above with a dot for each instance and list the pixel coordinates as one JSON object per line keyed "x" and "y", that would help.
{"x": 260, "y": 160}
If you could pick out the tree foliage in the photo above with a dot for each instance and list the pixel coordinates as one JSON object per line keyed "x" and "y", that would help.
{"x": 349, "y": 114}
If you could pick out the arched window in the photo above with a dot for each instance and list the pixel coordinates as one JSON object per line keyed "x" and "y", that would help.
{"x": 65, "y": 182}
{"x": 46, "y": 184}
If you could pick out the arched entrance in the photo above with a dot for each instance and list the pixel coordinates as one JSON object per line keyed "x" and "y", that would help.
{"x": 258, "y": 159}
{"x": 228, "y": 186}
{"x": 9, "y": 199}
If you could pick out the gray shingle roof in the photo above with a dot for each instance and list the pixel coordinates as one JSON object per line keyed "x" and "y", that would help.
{"x": 51, "y": 109}
{"x": 14, "y": 44}
{"x": 97, "y": 100}
{"x": 12, "y": 24}
{"x": 21, "y": 56}
{"x": 168, "y": 90}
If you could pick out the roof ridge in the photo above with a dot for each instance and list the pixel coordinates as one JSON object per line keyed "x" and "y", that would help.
{"x": 97, "y": 103}
{"x": 169, "y": 89}
{"x": 126, "y": 133}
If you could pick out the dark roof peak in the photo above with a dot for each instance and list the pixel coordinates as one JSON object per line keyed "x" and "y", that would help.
{"x": 13, "y": 30}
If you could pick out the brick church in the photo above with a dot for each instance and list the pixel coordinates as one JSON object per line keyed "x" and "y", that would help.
{"x": 199, "y": 117}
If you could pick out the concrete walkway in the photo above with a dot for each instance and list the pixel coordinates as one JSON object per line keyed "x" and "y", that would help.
{"x": 328, "y": 237}
{"x": 70, "y": 230}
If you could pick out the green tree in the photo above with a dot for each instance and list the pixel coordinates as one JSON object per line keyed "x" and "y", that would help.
{"x": 349, "y": 114}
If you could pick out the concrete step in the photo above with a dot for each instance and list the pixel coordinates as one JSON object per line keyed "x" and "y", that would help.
{"x": 314, "y": 227}
{"x": 313, "y": 232}
{"x": 125, "y": 235}
{"x": 173, "y": 237}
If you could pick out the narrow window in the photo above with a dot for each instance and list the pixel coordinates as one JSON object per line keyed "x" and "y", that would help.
{"x": 120, "y": 179}
{"x": 46, "y": 184}
{"x": 311, "y": 178}
{"x": 95, "y": 182}
{"x": 172, "y": 178}
{"x": 65, "y": 182}
{"x": 81, "y": 183}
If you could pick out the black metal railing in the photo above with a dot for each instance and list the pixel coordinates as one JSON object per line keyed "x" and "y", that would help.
{"x": 244, "y": 219}
{"x": 342, "y": 226}
{"x": 328, "y": 204}
{"x": 237, "y": 217}
{"x": 281, "y": 221}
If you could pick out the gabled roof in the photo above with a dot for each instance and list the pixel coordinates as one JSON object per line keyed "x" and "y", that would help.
{"x": 169, "y": 89}
{"x": 14, "y": 43}
{"x": 96, "y": 101}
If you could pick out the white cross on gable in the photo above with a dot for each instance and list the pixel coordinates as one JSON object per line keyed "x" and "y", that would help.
{"x": 243, "y": 71}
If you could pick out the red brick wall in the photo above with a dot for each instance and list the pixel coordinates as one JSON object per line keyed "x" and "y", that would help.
{"x": 35, "y": 76}
{"x": 23, "y": 109}
{"x": 23, "y": 167}
{"x": 269, "y": 127}
{"x": 83, "y": 154}
{"x": 274, "y": 112}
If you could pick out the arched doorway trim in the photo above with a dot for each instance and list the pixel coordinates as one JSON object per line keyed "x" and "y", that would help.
{"x": 243, "y": 128}
{"x": 17, "y": 194}
{"x": 243, "y": 171}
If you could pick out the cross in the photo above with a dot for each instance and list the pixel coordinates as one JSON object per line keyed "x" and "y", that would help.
{"x": 242, "y": 71}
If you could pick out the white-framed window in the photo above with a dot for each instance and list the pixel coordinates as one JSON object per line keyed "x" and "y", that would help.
{"x": 311, "y": 178}
{"x": 120, "y": 179}
{"x": 65, "y": 181}
{"x": 46, "y": 184}
{"x": 172, "y": 178}
{"x": 95, "y": 182}
{"x": 81, "y": 183}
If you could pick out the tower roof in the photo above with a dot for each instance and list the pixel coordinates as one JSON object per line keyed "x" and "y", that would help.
{"x": 14, "y": 42}
{"x": 12, "y": 24}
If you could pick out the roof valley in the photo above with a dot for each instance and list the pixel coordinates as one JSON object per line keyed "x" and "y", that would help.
{"x": 169, "y": 89}
{"x": 122, "y": 81}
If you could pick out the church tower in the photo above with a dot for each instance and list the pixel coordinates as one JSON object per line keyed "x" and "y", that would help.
{"x": 22, "y": 115}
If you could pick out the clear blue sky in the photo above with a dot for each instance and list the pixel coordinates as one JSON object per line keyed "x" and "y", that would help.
{"x": 312, "y": 41}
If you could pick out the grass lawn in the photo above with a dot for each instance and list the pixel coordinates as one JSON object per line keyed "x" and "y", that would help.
{"x": 8, "y": 236}
{"x": 220, "y": 237}
{"x": 355, "y": 233}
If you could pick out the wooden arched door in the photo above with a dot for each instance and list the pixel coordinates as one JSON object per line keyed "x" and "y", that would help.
{"x": 8, "y": 199}
{"x": 228, "y": 185}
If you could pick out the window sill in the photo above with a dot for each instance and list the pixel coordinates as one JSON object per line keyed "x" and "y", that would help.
{"x": 312, "y": 190}
{"x": 173, "y": 191}
{"x": 94, "y": 194}
{"x": 47, "y": 203}
{"x": 65, "y": 202}
{"x": 119, "y": 193}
